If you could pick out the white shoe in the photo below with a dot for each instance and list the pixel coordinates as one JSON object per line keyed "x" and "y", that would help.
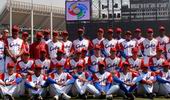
{"x": 109, "y": 97}
{"x": 65, "y": 96}
{"x": 56, "y": 97}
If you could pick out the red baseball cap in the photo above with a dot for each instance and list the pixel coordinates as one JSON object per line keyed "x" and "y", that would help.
{"x": 58, "y": 65}
{"x": 11, "y": 65}
{"x": 39, "y": 35}
{"x": 126, "y": 64}
{"x": 15, "y": 28}
{"x": 64, "y": 33}
{"x": 118, "y": 30}
{"x": 138, "y": 30}
{"x": 38, "y": 66}
{"x": 128, "y": 33}
{"x": 110, "y": 30}
{"x": 80, "y": 65}
{"x": 159, "y": 49}
{"x": 135, "y": 50}
{"x": 144, "y": 66}
{"x": 80, "y": 30}
{"x": 149, "y": 30}
{"x": 101, "y": 64}
{"x": 101, "y": 30}
{"x": 165, "y": 64}
{"x": 25, "y": 34}
{"x": 97, "y": 47}
{"x": 55, "y": 33}
{"x": 60, "y": 51}
{"x": 113, "y": 49}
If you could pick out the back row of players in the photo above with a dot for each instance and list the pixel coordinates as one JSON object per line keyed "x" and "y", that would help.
{"x": 99, "y": 57}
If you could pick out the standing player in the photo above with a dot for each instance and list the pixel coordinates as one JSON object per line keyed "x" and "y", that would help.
{"x": 2, "y": 55}
{"x": 67, "y": 44}
{"x": 99, "y": 38}
{"x": 54, "y": 45}
{"x": 162, "y": 39}
{"x": 14, "y": 46}
{"x": 118, "y": 32}
{"x": 138, "y": 36}
{"x": 109, "y": 43}
{"x": 36, "y": 47}
{"x": 81, "y": 42}
{"x": 46, "y": 38}
{"x": 127, "y": 45}
{"x": 10, "y": 83}
{"x": 26, "y": 45}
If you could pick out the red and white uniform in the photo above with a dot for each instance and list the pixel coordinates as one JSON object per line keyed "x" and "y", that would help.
{"x": 93, "y": 62}
{"x": 34, "y": 80}
{"x": 126, "y": 47}
{"x": 149, "y": 47}
{"x": 64, "y": 62}
{"x": 2, "y": 64}
{"x": 167, "y": 50}
{"x": 139, "y": 41}
{"x": 73, "y": 63}
{"x": 67, "y": 47}
{"x": 53, "y": 47}
{"x": 83, "y": 44}
{"x": 113, "y": 63}
{"x": 26, "y": 47}
{"x": 23, "y": 67}
{"x": 135, "y": 63}
{"x": 48, "y": 41}
{"x": 154, "y": 61}
{"x": 45, "y": 65}
{"x": 108, "y": 44}
{"x": 11, "y": 89}
{"x": 97, "y": 41}
{"x": 162, "y": 41}
{"x": 63, "y": 78}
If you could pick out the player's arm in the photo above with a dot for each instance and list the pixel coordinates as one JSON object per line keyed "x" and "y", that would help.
{"x": 1, "y": 79}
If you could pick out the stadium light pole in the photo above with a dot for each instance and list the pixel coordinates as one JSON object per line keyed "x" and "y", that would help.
{"x": 32, "y": 23}
{"x": 10, "y": 18}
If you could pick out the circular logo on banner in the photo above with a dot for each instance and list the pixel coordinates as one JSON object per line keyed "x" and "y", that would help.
{"x": 77, "y": 9}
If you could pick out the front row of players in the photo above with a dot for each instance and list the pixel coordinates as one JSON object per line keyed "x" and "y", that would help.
{"x": 60, "y": 83}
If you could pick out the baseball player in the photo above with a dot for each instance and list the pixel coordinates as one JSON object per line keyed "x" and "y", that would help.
{"x": 157, "y": 61}
{"x": 147, "y": 81}
{"x": 81, "y": 42}
{"x": 54, "y": 45}
{"x": 108, "y": 43}
{"x": 162, "y": 87}
{"x": 83, "y": 82}
{"x": 14, "y": 46}
{"x": 138, "y": 36}
{"x": 167, "y": 50}
{"x": 99, "y": 38}
{"x": 94, "y": 59}
{"x": 150, "y": 44}
{"x": 85, "y": 56}
{"x": 36, "y": 47}
{"x": 36, "y": 83}
{"x": 103, "y": 82}
{"x": 162, "y": 39}
{"x": 46, "y": 38}
{"x": 2, "y": 55}
{"x": 44, "y": 61}
{"x": 26, "y": 45}
{"x": 113, "y": 62}
{"x": 127, "y": 45}
{"x": 127, "y": 81}
{"x": 10, "y": 83}
{"x": 118, "y": 32}
{"x": 67, "y": 44}
{"x": 60, "y": 83}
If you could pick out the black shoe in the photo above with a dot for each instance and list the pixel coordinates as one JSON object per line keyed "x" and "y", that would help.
{"x": 84, "y": 96}
{"x": 151, "y": 95}
{"x": 125, "y": 96}
{"x": 167, "y": 96}
{"x": 132, "y": 97}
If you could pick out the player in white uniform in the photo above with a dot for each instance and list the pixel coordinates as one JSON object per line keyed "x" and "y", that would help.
{"x": 67, "y": 44}
{"x": 94, "y": 59}
{"x": 2, "y": 55}
{"x": 81, "y": 42}
{"x": 113, "y": 62}
{"x": 162, "y": 87}
{"x": 162, "y": 39}
{"x": 36, "y": 84}
{"x": 14, "y": 46}
{"x": 46, "y": 38}
{"x": 10, "y": 83}
{"x": 103, "y": 82}
{"x": 108, "y": 43}
{"x": 119, "y": 32}
{"x": 54, "y": 45}
{"x": 127, "y": 45}
{"x": 60, "y": 83}
{"x": 150, "y": 44}
{"x": 44, "y": 61}
{"x": 146, "y": 84}
{"x": 99, "y": 38}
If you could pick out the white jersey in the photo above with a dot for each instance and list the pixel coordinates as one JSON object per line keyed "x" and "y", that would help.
{"x": 46, "y": 42}
{"x": 67, "y": 47}
{"x": 162, "y": 41}
{"x": 5, "y": 77}
{"x": 147, "y": 76}
{"x": 2, "y": 48}
{"x": 128, "y": 77}
{"x": 45, "y": 65}
{"x": 63, "y": 61}
{"x": 97, "y": 41}
{"x": 108, "y": 44}
{"x": 167, "y": 50}
{"x": 73, "y": 63}
{"x": 149, "y": 47}
{"x": 15, "y": 45}
{"x": 37, "y": 80}
{"x": 153, "y": 61}
{"x": 53, "y": 47}
{"x": 83, "y": 44}
{"x": 135, "y": 63}
{"x": 139, "y": 41}
{"x": 127, "y": 46}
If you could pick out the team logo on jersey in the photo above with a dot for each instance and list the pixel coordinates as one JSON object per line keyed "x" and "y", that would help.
{"x": 109, "y": 46}
{"x": 150, "y": 46}
{"x": 94, "y": 63}
{"x": 80, "y": 45}
{"x": 128, "y": 46}
{"x": 54, "y": 48}
{"x": 14, "y": 45}
{"x": 67, "y": 46}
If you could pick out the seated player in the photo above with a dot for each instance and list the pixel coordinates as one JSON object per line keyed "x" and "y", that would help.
{"x": 10, "y": 83}
{"x": 103, "y": 82}
{"x": 36, "y": 83}
{"x": 60, "y": 83}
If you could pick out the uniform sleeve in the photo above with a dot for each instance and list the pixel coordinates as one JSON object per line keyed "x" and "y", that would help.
{"x": 2, "y": 76}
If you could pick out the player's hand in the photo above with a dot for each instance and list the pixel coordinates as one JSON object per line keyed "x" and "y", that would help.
{"x": 60, "y": 83}
{"x": 8, "y": 83}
